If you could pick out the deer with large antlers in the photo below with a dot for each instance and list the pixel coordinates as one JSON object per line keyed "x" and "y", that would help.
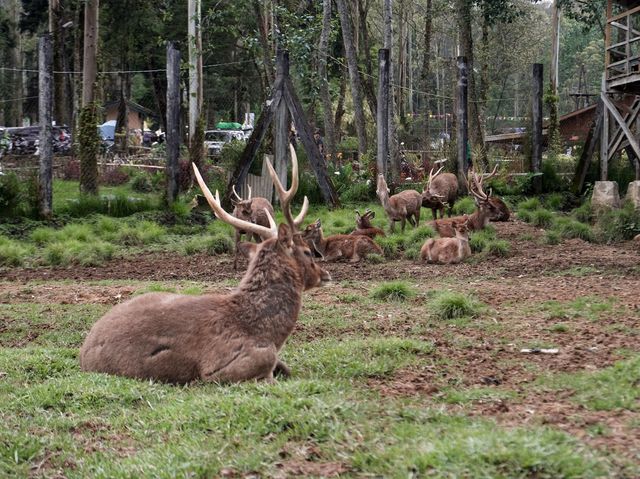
{"x": 485, "y": 207}
{"x": 253, "y": 210}
{"x": 440, "y": 191}
{"x": 364, "y": 226}
{"x": 219, "y": 338}
{"x": 448, "y": 250}
{"x": 403, "y": 206}
{"x": 337, "y": 247}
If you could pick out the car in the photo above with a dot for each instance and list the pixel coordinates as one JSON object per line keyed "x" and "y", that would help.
{"x": 214, "y": 140}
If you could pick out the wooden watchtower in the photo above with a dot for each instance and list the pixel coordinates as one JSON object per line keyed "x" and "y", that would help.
{"x": 621, "y": 84}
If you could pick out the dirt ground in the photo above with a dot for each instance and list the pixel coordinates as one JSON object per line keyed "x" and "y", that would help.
{"x": 532, "y": 273}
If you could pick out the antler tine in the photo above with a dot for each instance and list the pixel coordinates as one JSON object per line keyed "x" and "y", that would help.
{"x": 233, "y": 189}
{"x": 432, "y": 176}
{"x": 215, "y": 205}
{"x": 249, "y": 188}
{"x": 287, "y": 195}
{"x": 478, "y": 180}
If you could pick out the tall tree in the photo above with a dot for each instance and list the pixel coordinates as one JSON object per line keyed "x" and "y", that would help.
{"x": 354, "y": 74}
{"x": 426, "y": 71}
{"x": 327, "y": 108}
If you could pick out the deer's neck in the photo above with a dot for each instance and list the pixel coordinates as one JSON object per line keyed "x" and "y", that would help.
{"x": 479, "y": 219}
{"x": 269, "y": 298}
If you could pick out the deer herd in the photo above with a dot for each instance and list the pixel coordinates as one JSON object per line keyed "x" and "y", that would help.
{"x": 238, "y": 336}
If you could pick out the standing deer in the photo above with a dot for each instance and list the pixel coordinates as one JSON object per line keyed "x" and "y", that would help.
{"x": 253, "y": 210}
{"x": 403, "y": 206}
{"x": 441, "y": 190}
{"x": 448, "y": 250}
{"x": 219, "y": 338}
{"x": 364, "y": 226}
{"x": 335, "y": 247}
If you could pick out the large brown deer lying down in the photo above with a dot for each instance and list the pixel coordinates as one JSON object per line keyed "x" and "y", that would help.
{"x": 448, "y": 250}
{"x": 404, "y": 206}
{"x": 221, "y": 338}
{"x": 364, "y": 226}
{"x": 499, "y": 209}
{"x": 253, "y": 210}
{"x": 485, "y": 209}
{"x": 440, "y": 190}
{"x": 336, "y": 247}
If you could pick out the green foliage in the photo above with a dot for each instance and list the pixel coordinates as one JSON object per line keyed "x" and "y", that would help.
{"x": 618, "y": 224}
{"x": 10, "y": 194}
{"x": 375, "y": 258}
{"x": 480, "y": 241}
{"x": 541, "y": 218}
{"x": 393, "y": 291}
{"x": 70, "y": 252}
{"x": 529, "y": 205}
{"x": 417, "y": 236}
{"x": 308, "y": 186}
{"x": 555, "y": 201}
{"x": 357, "y": 192}
{"x": 391, "y": 244}
{"x": 118, "y": 206}
{"x": 583, "y": 213}
{"x": 552, "y": 237}
{"x": 499, "y": 248}
{"x": 551, "y": 181}
{"x": 140, "y": 234}
{"x": 452, "y": 305}
{"x": 569, "y": 228}
{"x": 219, "y": 244}
{"x": 464, "y": 206}
{"x": 12, "y": 253}
{"x": 141, "y": 183}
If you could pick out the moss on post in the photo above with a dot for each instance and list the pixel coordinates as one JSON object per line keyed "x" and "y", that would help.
{"x": 88, "y": 146}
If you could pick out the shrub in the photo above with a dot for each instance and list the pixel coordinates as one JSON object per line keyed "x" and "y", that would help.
{"x": 393, "y": 291}
{"x": 452, "y": 305}
{"x": 65, "y": 253}
{"x": 619, "y": 225}
{"x": 106, "y": 226}
{"x": 391, "y": 245}
{"x": 146, "y": 232}
{"x": 583, "y": 213}
{"x": 570, "y": 228}
{"x": 551, "y": 181}
{"x": 10, "y": 194}
{"x": 555, "y": 201}
{"x": 541, "y": 218}
{"x": 114, "y": 176}
{"x": 499, "y": 248}
{"x": 79, "y": 232}
{"x": 43, "y": 235}
{"x": 464, "y": 206}
{"x": 218, "y": 244}
{"x": 12, "y": 253}
{"x": 141, "y": 183}
{"x": 412, "y": 253}
{"x": 480, "y": 240}
{"x": 528, "y": 205}
{"x": 359, "y": 192}
{"x": 552, "y": 237}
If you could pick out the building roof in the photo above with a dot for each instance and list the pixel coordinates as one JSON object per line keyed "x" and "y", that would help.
{"x": 132, "y": 105}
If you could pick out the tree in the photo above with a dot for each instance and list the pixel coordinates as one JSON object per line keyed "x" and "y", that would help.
{"x": 327, "y": 109}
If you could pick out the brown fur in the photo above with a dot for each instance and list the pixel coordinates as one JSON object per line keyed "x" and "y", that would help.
{"x": 252, "y": 210}
{"x": 477, "y": 221}
{"x": 448, "y": 250}
{"x": 404, "y": 206}
{"x": 364, "y": 226}
{"x": 500, "y": 211}
{"x": 441, "y": 191}
{"x": 220, "y": 338}
{"x": 337, "y": 247}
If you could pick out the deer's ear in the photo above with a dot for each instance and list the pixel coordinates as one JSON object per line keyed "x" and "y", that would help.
{"x": 318, "y": 223}
{"x": 285, "y": 236}
{"x": 248, "y": 250}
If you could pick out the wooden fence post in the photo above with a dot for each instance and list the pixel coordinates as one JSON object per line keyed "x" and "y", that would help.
{"x": 462, "y": 122}
{"x": 45, "y": 142}
{"x": 282, "y": 123}
{"x": 536, "y": 130}
{"x": 173, "y": 121}
{"x": 382, "y": 117}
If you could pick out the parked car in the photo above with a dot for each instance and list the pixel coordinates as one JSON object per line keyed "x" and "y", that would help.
{"x": 214, "y": 140}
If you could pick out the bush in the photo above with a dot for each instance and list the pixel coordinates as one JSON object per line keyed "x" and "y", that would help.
{"x": 65, "y": 253}
{"x": 555, "y": 201}
{"x": 480, "y": 240}
{"x": 146, "y": 232}
{"x": 218, "y": 244}
{"x": 114, "y": 176}
{"x": 552, "y": 237}
{"x": 393, "y": 291}
{"x": 499, "y": 248}
{"x": 618, "y": 225}
{"x": 528, "y": 205}
{"x": 141, "y": 183}
{"x": 583, "y": 213}
{"x": 569, "y": 228}
{"x": 464, "y": 206}
{"x": 418, "y": 236}
{"x": 43, "y": 235}
{"x": 359, "y": 192}
{"x": 452, "y": 305}
{"x": 10, "y": 194}
{"x": 391, "y": 245}
{"x": 12, "y": 253}
{"x": 412, "y": 253}
{"x": 541, "y": 218}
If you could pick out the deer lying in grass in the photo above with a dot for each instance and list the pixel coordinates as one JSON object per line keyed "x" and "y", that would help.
{"x": 485, "y": 209}
{"x": 441, "y": 190}
{"x": 404, "y": 206}
{"x": 364, "y": 226}
{"x": 253, "y": 210}
{"x": 448, "y": 250}
{"x": 219, "y": 338}
{"x": 336, "y": 247}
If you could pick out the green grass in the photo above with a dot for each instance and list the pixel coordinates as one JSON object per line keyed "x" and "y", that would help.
{"x": 569, "y": 228}
{"x": 447, "y": 305}
{"x": 12, "y": 253}
{"x": 464, "y": 206}
{"x": 393, "y": 291}
{"x": 528, "y": 205}
{"x": 541, "y": 218}
{"x": 586, "y": 307}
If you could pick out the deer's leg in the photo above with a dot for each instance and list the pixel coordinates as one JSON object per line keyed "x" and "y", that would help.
{"x": 434, "y": 212}
{"x": 417, "y": 215}
{"x": 243, "y": 364}
{"x": 403, "y": 222}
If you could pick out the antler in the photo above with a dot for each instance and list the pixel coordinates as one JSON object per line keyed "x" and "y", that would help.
{"x": 238, "y": 196}
{"x": 243, "y": 225}
{"x": 287, "y": 195}
{"x": 432, "y": 176}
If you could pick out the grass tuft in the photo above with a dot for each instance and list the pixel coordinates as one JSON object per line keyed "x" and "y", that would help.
{"x": 12, "y": 253}
{"x": 499, "y": 248}
{"x": 452, "y": 305}
{"x": 375, "y": 258}
{"x": 569, "y": 228}
{"x": 541, "y": 218}
{"x": 464, "y": 206}
{"x": 393, "y": 291}
{"x": 529, "y": 205}
{"x": 552, "y": 237}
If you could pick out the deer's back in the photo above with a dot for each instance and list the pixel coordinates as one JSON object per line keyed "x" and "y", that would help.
{"x": 409, "y": 199}
{"x": 258, "y": 206}
{"x": 445, "y": 185}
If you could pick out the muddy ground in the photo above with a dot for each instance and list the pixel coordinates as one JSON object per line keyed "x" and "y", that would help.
{"x": 476, "y": 357}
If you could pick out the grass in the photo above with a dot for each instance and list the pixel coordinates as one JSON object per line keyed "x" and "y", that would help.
{"x": 447, "y": 305}
{"x": 393, "y": 291}
{"x": 12, "y": 253}
{"x": 569, "y": 228}
{"x": 464, "y": 206}
{"x": 590, "y": 308}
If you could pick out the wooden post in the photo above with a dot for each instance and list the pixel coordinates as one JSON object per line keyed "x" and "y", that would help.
{"x": 536, "y": 130}
{"x": 45, "y": 143}
{"x": 383, "y": 111}
{"x": 173, "y": 121}
{"x": 604, "y": 146}
{"x": 587, "y": 152}
{"x": 195, "y": 66}
{"x": 90, "y": 66}
{"x": 462, "y": 117}
{"x": 282, "y": 124}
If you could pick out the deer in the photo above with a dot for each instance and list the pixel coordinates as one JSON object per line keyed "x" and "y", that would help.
{"x": 253, "y": 210}
{"x": 440, "y": 190}
{"x": 364, "y": 226}
{"x": 485, "y": 208}
{"x": 448, "y": 250}
{"x": 336, "y": 247}
{"x": 403, "y": 206}
{"x": 220, "y": 338}
{"x": 499, "y": 209}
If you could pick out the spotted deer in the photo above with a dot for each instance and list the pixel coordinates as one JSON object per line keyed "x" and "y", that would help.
{"x": 253, "y": 210}
{"x": 217, "y": 338}
{"x": 337, "y": 247}
{"x": 403, "y": 206}
{"x": 440, "y": 191}
{"x": 448, "y": 250}
{"x": 364, "y": 226}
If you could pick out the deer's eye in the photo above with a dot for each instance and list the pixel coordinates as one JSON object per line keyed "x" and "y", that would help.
{"x": 307, "y": 253}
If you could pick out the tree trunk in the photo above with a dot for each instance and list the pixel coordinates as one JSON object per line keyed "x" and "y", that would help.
{"x": 340, "y": 111}
{"x": 426, "y": 72}
{"x": 354, "y": 75}
{"x": 394, "y": 154}
{"x": 367, "y": 81}
{"x": 263, "y": 29}
{"x": 327, "y": 107}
